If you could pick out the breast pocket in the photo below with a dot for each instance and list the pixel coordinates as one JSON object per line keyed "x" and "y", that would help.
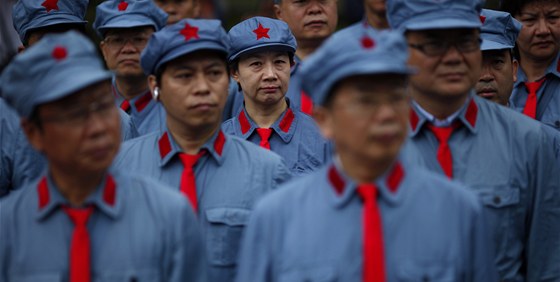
{"x": 309, "y": 274}
{"x": 409, "y": 271}
{"x": 224, "y": 234}
{"x": 503, "y": 213}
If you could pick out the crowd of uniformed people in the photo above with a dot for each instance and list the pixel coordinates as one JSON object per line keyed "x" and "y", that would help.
{"x": 418, "y": 144}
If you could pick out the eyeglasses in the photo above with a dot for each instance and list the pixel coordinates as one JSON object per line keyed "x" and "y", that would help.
{"x": 438, "y": 48}
{"x": 118, "y": 42}
{"x": 78, "y": 117}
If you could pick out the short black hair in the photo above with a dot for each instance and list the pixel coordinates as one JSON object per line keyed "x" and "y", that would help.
{"x": 57, "y": 28}
{"x": 514, "y": 7}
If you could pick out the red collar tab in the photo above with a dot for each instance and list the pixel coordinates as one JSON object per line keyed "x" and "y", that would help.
{"x": 287, "y": 120}
{"x": 189, "y": 32}
{"x": 244, "y": 122}
{"x": 50, "y": 5}
{"x": 414, "y": 119}
{"x": 261, "y": 32}
{"x": 43, "y": 193}
{"x": 219, "y": 143}
{"x": 482, "y": 19}
{"x": 164, "y": 145}
{"x": 336, "y": 180}
{"x": 472, "y": 112}
{"x": 109, "y": 192}
{"x": 143, "y": 101}
{"x": 393, "y": 180}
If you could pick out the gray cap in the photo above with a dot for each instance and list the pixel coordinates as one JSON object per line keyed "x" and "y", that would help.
{"x": 57, "y": 66}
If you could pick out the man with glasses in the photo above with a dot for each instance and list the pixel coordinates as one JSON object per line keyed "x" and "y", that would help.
{"x": 125, "y": 27}
{"x": 503, "y": 156}
{"x": 33, "y": 20}
{"x": 80, "y": 222}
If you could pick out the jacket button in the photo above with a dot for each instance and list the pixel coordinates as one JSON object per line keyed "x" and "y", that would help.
{"x": 497, "y": 200}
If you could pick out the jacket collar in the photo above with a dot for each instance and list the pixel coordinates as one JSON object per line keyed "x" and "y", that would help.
{"x": 168, "y": 147}
{"x": 468, "y": 116}
{"x": 344, "y": 188}
{"x": 105, "y": 198}
{"x": 285, "y": 126}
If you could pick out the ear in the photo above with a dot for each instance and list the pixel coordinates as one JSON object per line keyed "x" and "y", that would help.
{"x": 20, "y": 49}
{"x": 104, "y": 50}
{"x": 152, "y": 84}
{"x": 323, "y": 118}
{"x": 196, "y": 9}
{"x": 33, "y": 133}
{"x": 515, "y": 65}
{"x": 235, "y": 74}
{"x": 278, "y": 11}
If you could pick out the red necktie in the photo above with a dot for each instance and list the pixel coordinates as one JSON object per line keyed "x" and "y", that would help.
{"x": 188, "y": 181}
{"x": 125, "y": 106}
{"x": 374, "y": 258}
{"x": 530, "y": 109}
{"x": 264, "y": 133}
{"x": 444, "y": 152}
{"x": 80, "y": 247}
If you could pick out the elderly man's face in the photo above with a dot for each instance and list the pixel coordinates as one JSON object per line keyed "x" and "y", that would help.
{"x": 309, "y": 19}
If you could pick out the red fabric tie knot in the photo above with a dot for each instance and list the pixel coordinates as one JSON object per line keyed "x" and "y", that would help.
{"x": 530, "y": 108}
{"x": 444, "y": 155}
{"x": 80, "y": 246}
{"x": 188, "y": 180}
{"x": 373, "y": 253}
{"x": 264, "y": 133}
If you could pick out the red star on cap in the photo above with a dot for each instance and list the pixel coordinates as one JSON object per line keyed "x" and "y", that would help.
{"x": 189, "y": 32}
{"x": 50, "y": 5}
{"x": 261, "y": 32}
{"x": 482, "y": 19}
{"x": 59, "y": 53}
{"x": 122, "y": 6}
{"x": 367, "y": 42}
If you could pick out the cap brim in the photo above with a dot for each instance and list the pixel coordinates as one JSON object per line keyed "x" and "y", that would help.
{"x": 492, "y": 45}
{"x": 442, "y": 23}
{"x": 187, "y": 49}
{"x": 128, "y": 23}
{"x": 58, "y": 20}
{"x": 361, "y": 68}
{"x": 273, "y": 46}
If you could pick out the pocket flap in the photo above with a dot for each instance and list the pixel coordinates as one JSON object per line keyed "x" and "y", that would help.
{"x": 228, "y": 216}
{"x": 499, "y": 198}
